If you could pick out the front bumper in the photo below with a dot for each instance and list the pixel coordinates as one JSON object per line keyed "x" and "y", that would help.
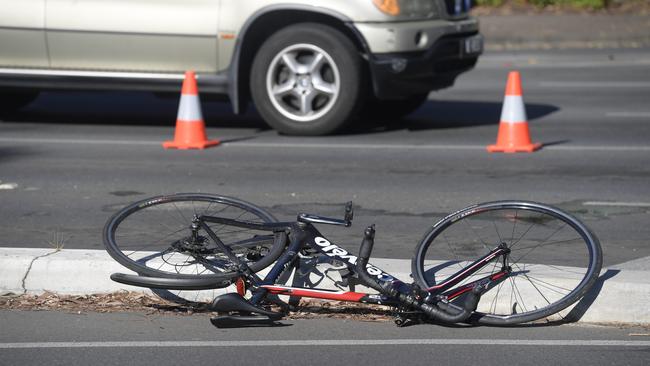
{"x": 399, "y": 75}
{"x": 418, "y": 57}
{"x": 392, "y": 37}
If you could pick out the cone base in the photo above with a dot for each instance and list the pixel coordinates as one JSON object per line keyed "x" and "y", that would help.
{"x": 529, "y": 148}
{"x": 190, "y": 135}
{"x": 182, "y": 145}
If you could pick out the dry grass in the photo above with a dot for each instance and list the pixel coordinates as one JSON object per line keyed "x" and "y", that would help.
{"x": 138, "y": 302}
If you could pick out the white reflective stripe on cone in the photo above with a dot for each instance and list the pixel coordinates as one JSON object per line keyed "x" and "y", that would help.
{"x": 513, "y": 109}
{"x": 189, "y": 108}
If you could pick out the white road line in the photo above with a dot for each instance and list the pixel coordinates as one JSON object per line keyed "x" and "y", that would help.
{"x": 317, "y": 145}
{"x": 78, "y": 141}
{"x": 595, "y": 84}
{"x": 628, "y": 114}
{"x": 619, "y": 204}
{"x": 333, "y": 342}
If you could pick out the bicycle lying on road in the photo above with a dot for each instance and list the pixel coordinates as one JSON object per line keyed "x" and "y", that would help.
{"x": 497, "y": 263}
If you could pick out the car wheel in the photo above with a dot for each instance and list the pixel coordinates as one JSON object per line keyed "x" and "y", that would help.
{"x": 306, "y": 79}
{"x": 13, "y": 101}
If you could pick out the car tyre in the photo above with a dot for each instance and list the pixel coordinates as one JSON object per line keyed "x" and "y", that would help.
{"x": 15, "y": 100}
{"x": 307, "y": 79}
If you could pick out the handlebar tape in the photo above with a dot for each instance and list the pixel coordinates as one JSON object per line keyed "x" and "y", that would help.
{"x": 440, "y": 311}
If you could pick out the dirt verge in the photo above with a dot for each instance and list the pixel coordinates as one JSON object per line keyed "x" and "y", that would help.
{"x": 125, "y": 301}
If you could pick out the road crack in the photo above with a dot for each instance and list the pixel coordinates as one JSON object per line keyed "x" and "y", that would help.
{"x": 29, "y": 268}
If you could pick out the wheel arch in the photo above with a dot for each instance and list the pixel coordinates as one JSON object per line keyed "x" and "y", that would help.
{"x": 257, "y": 29}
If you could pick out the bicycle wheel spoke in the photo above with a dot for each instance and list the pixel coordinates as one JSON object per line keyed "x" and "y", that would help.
{"x": 252, "y": 241}
{"x": 496, "y": 296}
{"x": 512, "y": 292}
{"x": 477, "y": 236}
{"x": 207, "y": 265}
{"x": 209, "y": 213}
{"x": 497, "y": 231}
{"x": 224, "y": 225}
{"x": 453, "y": 252}
{"x": 541, "y": 285}
{"x": 207, "y": 209}
{"x": 537, "y": 246}
{"x": 520, "y": 301}
{"x": 182, "y": 265}
{"x": 180, "y": 213}
{"x": 548, "y": 285}
{"x": 535, "y": 286}
{"x": 514, "y": 225}
{"x": 194, "y": 209}
{"x": 567, "y": 270}
{"x": 547, "y": 244}
{"x": 154, "y": 243}
{"x": 533, "y": 223}
{"x": 166, "y": 262}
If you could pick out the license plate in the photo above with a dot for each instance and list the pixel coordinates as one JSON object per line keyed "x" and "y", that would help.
{"x": 472, "y": 45}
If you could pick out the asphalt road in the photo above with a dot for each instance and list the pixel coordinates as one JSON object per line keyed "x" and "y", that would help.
{"x": 71, "y": 159}
{"x": 56, "y": 338}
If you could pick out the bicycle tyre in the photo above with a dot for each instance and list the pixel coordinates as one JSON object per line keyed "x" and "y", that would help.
{"x": 130, "y": 231}
{"x": 565, "y": 268}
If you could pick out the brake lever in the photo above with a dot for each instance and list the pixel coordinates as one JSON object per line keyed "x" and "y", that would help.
{"x": 349, "y": 212}
{"x": 316, "y": 219}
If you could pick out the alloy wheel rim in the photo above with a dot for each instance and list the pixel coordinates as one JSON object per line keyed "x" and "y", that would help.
{"x": 303, "y": 82}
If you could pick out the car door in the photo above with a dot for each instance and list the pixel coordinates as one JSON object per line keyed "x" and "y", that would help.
{"x": 133, "y": 35}
{"x": 22, "y": 34}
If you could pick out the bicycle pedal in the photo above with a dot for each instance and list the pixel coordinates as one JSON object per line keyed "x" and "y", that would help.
{"x": 238, "y": 321}
{"x": 406, "y": 321}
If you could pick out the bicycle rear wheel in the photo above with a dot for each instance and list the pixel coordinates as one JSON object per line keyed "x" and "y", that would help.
{"x": 153, "y": 237}
{"x": 554, "y": 258}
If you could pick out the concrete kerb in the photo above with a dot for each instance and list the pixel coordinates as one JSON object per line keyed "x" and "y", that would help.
{"x": 69, "y": 271}
{"x": 620, "y": 296}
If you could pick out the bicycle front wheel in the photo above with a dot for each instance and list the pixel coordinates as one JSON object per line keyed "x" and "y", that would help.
{"x": 154, "y": 237}
{"x": 553, "y": 258}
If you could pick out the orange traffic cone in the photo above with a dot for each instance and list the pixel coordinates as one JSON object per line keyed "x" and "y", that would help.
{"x": 190, "y": 128}
{"x": 513, "y": 128}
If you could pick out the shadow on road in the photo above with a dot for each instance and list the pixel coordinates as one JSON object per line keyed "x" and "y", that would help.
{"x": 447, "y": 114}
{"x": 11, "y": 152}
{"x": 452, "y": 114}
{"x": 146, "y": 109}
{"x": 583, "y": 305}
{"x": 126, "y": 108}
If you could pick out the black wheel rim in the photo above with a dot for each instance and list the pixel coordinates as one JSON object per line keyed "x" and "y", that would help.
{"x": 553, "y": 258}
{"x": 154, "y": 236}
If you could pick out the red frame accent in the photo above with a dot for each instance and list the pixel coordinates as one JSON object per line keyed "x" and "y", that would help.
{"x": 459, "y": 292}
{"x": 469, "y": 286}
{"x": 355, "y": 296}
{"x": 241, "y": 286}
{"x": 316, "y": 294}
{"x": 459, "y": 276}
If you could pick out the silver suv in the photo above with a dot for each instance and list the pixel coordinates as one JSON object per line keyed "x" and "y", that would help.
{"x": 308, "y": 66}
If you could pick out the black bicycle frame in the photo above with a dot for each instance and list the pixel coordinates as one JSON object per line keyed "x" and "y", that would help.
{"x": 303, "y": 235}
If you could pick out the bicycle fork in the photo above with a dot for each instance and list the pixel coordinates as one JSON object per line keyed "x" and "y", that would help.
{"x": 434, "y": 306}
